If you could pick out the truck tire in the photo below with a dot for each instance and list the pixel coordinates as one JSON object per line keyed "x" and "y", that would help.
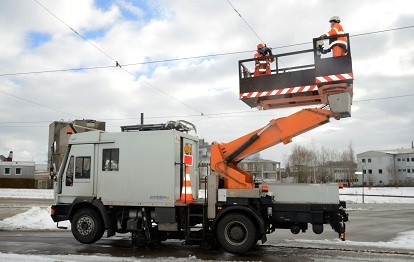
{"x": 87, "y": 226}
{"x": 236, "y": 233}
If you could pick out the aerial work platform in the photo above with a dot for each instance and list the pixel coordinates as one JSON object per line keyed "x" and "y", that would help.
{"x": 302, "y": 85}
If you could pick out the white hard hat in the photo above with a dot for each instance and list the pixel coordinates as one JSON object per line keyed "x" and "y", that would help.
{"x": 335, "y": 19}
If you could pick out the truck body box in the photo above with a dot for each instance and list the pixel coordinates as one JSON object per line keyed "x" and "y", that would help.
{"x": 305, "y": 193}
{"x": 149, "y": 172}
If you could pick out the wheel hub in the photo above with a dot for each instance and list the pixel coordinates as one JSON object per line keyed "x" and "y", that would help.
{"x": 85, "y": 225}
{"x": 236, "y": 233}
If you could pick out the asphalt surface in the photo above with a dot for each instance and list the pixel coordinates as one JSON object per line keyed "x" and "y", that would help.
{"x": 368, "y": 223}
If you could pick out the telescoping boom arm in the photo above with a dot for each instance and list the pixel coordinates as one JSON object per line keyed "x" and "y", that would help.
{"x": 225, "y": 156}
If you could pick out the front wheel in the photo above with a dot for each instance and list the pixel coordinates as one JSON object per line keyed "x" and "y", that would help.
{"x": 236, "y": 233}
{"x": 87, "y": 226}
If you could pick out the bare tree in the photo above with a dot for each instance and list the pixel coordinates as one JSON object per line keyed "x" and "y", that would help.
{"x": 300, "y": 161}
{"x": 348, "y": 160}
{"x": 392, "y": 172}
{"x": 324, "y": 159}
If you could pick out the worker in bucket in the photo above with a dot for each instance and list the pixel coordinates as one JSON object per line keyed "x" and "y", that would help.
{"x": 339, "y": 44}
{"x": 262, "y": 65}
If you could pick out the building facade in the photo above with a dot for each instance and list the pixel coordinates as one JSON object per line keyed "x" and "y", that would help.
{"x": 262, "y": 169}
{"x": 386, "y": 167}
{"x": 17, "y": 169}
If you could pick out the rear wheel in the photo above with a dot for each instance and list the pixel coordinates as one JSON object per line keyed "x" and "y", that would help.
{"x": 87, "y": 226}
{"x": 236, "y": 233}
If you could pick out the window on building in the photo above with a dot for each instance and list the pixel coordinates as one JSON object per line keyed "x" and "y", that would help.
{"x": 363, "y": 160}
{"x": 83, "y": 167}
{"x": 364, "y": 171}
{"x": 380, "y": 171}
{"x": 69, "y": 172}
{"x": 408, "y": 159}
{"x": 403, "y": 159}
{"x": 7, "y": 171}
{"x": 380, "y": 182}
{"x": 408, "y": 171}
{"x": 399, "y": 159}
{"x": 369, "y": 160}
{"x": 369, "y": 171}
{"x": 110, "y": 159}
{"x": 18, "y": 170}
{"x": 412, "y": 159}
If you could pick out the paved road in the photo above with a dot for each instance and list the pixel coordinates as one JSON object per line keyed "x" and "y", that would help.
{"x": 369, "y": 223}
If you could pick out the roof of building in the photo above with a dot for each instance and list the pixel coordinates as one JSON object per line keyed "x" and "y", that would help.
{"x": 17, "y": 163}
{"x": 392, "y": 151}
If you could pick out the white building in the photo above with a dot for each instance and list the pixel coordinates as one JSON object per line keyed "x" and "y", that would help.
{"x": 386, "y": 167}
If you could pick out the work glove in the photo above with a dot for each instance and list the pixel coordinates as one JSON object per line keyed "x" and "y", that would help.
{"x": 320, "y": 48}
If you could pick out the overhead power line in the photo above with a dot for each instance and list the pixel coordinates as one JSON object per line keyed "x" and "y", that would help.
{"x": 57, "y": 70}
{"x": 116, "y": 62}
{"x": 382, "y": 98}
{"x": 211, "y": 115}
{"x": 38, "y": 104}
{"x": 168, "y": 60}
{"x": 84, "y": 38}
{"x": 235, "y": 10}
{"x": 186, "y": 58}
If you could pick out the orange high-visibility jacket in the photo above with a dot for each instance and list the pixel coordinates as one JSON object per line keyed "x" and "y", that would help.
{"x": 336, "y": 44}
{"x": 262, "y": 66}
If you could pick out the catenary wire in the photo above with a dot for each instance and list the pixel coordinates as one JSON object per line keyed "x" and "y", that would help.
{"x": 189, "y": 57}
{"x": 118, "y": 65}
{"x": 237, "y": 12}
{"x": 84, "y": 38}
{"x": 38, "y": 104}
{"x": 172, "y": 97}
{"x": 211, "y": 115}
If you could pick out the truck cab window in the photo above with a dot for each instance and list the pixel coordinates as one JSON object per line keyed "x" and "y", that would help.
{"x": 110, "y": 159}
{"x": 83, "y": 167}
{"x": 69, "y": 172}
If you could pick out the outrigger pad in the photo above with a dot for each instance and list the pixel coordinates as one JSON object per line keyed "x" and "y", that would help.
{"x": 341, "y": 103}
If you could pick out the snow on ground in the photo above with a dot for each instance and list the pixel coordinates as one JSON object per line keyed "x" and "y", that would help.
{"x": 386, "y": 195}
{"x": 404, "y": 240}
{"x": 26, "y": 193}
{"x": 79, "y": 258}
{"x": 38, "y": 218}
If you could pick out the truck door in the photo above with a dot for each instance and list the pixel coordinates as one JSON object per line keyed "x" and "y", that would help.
{"x": 78, "y": 176}
{"x": 189, "y": 159}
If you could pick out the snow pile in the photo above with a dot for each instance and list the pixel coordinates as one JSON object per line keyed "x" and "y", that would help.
{"x": 36, "y": 218}
{"x": 404, "y": 240}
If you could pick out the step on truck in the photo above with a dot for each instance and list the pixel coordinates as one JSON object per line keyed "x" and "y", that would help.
{"x": 145, "y": 179}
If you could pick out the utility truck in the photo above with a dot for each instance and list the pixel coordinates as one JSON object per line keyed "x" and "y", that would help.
{"x": 145, "y": 179}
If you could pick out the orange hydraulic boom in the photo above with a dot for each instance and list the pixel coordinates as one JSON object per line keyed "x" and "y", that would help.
{"x": 327, "y": 81}
{"x": 225, "y": 156}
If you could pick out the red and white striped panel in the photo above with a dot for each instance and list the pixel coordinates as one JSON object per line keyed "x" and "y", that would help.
{"x": 282, "y": 91}
{"x": 331, "y": 78}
